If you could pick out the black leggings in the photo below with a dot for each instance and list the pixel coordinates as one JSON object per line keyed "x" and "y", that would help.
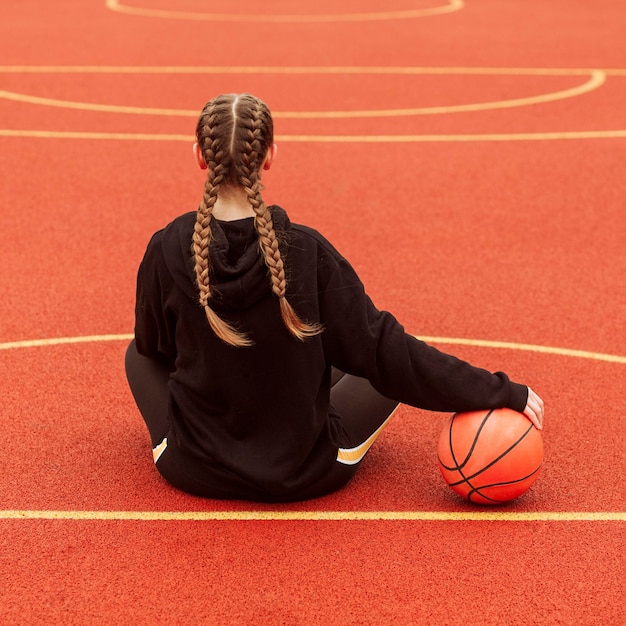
{"x": 363, "y": 412}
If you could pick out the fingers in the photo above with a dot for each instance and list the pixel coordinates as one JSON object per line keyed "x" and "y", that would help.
{"x": 534, "y": 409}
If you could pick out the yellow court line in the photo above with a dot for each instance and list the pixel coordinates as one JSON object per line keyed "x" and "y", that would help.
{"x": 57, "y": 341}
{"x": 449, "y": 7}
{"x": 596, "y": 80}
{"x": 505, "y": 345}
{"x": 446, "y": 516}
{"x": 62, "y": 134}
{"x": 320, "y": 515}
{"x": 90, "y": 106}
{"x": 465, "y": 138}
{"x": 308, "y": 69}
{"x": 479, "y": 343}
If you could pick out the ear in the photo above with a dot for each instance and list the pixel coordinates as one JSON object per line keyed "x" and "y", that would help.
{"x": 197, "y": 152}
{"x": 270, "y": 156}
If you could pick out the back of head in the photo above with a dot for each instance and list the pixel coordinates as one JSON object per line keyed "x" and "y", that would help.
{"x": 235, "y": 133}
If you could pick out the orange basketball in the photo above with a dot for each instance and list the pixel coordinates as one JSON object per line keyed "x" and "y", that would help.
{"x": 490, "y": 457}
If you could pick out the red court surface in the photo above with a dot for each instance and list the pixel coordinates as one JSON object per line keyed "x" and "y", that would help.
{"x": 466, "y": 157}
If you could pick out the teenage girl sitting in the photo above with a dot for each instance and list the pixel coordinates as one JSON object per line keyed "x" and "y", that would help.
{"x": 261, "y": 367}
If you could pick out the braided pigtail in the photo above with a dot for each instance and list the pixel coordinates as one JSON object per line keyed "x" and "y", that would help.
{"x": 211, "y": 138}
{"x": 254, "y": 146}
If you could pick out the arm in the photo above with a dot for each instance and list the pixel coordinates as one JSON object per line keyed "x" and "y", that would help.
{"x": 366, "y": 342}
{"x": 155, "y": 326}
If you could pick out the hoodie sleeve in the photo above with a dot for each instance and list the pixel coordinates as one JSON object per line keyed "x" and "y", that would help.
{"x": 155, "y": 325}
{"x": 366, "y": 342}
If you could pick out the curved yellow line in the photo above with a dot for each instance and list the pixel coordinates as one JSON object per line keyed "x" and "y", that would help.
{"x": 506, "y": 345}
{"x": 481, "y": 343}
{"x": 596, "y": 80}
{"x": 89, "y": 106}
{"x": 269, "y": 515}
{"x": 450, "y": 7}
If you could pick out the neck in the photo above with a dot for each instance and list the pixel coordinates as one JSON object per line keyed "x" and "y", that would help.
{"x": 232, "y": 205}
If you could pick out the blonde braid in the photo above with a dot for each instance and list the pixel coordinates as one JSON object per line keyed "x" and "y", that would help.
{"x": 251, "y": 159}
{"x": 217, "y": 170}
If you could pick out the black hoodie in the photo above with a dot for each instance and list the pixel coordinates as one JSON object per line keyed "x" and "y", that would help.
{"x": 259, "y": 417}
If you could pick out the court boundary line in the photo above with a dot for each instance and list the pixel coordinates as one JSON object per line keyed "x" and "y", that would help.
{"x": 596, "y": 79}
{"x": 318, "y": 515}
{"x": 454, "y": 138}
{"x": 265, "y": 515}
{"x": 303, "y": 138}
{"x": 310, "y": 69}
{"x": 451, "y": 6}
{"x": 459, "y": 341}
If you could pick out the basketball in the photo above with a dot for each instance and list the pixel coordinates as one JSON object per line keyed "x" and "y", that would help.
{"x": 490, "y": 457}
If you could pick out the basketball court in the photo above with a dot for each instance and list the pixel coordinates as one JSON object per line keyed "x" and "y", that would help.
{"x": 465, "y": 156}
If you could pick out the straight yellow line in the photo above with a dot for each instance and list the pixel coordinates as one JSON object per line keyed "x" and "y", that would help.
{"x": 54, "y": 134}
{"x": 493, "y": 516}
{"x": 302, "y": 69}
{"x": 548, "y": 136}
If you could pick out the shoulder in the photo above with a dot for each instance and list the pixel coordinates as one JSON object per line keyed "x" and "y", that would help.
{"x": 309, "y": 251}
{"x": 302, "y": 235}
{"x": 165, "y": 244}
{"x": 180, "y": 227}
{"x": 316, "y": 243}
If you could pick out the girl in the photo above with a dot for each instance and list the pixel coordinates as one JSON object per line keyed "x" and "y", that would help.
{"x": 262, "y": 369}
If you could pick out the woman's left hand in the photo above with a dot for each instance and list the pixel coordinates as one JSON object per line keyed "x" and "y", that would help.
{"x": 534, "y": 409}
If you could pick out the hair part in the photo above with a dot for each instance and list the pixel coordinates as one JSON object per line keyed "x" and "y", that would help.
{"x": 235, "y": 133}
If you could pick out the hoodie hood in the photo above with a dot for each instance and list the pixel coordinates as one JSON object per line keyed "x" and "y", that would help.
{"x": 238, "y": 275}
